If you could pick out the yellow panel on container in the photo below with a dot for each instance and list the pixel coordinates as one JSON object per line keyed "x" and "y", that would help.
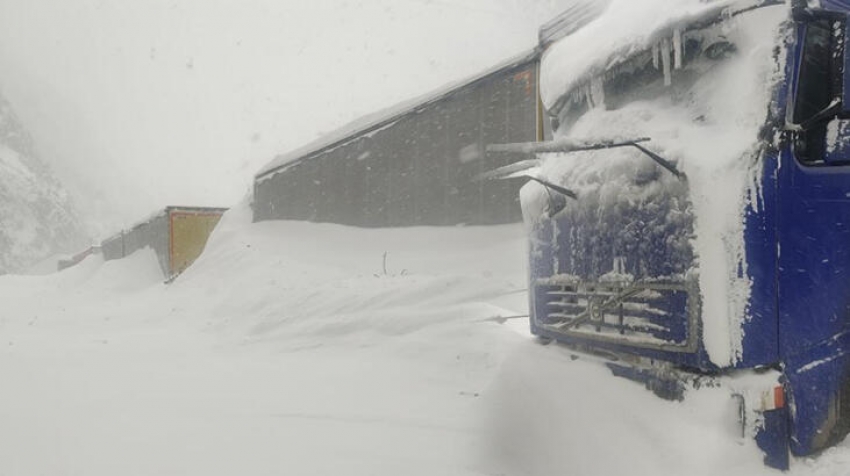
{"x": 189, "y": 233}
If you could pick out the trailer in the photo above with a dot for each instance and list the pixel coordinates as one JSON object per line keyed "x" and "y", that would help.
{"x": 412, "y": 163}
{"x": 691, "y": 218}
{"x": 177, "y": 235}
{"x": 77, "y": 258}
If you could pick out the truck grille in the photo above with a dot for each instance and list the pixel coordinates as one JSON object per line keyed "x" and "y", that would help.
{"x": 644, "y": 314}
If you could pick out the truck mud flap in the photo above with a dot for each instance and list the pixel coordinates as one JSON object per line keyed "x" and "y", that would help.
{"x": 772, "y": 438}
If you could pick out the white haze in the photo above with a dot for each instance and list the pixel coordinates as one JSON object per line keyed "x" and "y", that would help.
{"x": 138, "y": 105}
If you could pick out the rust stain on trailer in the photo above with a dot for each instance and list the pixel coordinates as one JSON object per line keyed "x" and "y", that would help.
{"x": 525, "y": 77}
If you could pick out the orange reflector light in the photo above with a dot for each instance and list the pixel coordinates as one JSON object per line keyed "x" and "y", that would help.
{"x": 778, "y": 397}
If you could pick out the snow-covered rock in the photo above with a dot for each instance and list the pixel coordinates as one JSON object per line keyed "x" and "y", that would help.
{"x": 37, "y": 218}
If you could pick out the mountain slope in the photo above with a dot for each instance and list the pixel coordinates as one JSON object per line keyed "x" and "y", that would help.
{"x": 36, "y": 216}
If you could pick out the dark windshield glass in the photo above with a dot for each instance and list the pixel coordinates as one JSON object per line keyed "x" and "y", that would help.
{"x": 815, "y": 89}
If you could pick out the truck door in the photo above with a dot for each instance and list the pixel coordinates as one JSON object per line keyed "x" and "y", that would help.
{"x": 813, "y": 230}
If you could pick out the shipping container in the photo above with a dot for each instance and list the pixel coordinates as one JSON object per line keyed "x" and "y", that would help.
{"x": 177, "y": 235}
{"x": 77, "y": 258}
{"x": 413, "y": 164}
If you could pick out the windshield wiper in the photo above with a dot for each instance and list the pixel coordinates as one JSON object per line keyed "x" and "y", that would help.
{"x": 563, "y": 191}
{"x": 562, "y": 145}
{"x": 524, "y": 169}
{"x": 825, "y": 114}
{"x": 567, "y": 146}
{"x": 666, "y": 164}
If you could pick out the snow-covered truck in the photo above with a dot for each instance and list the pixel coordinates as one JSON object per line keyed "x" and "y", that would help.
{"x": 691, "y": 217}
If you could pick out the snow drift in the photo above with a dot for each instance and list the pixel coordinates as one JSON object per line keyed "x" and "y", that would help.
{"x": 287, "y": 349}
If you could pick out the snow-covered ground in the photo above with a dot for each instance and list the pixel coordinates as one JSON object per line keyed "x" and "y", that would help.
{"x": 287, "y": 349}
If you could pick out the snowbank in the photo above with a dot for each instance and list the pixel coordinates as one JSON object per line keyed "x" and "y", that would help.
{"x": 388, "y": 286}
{"x": 286, "y": 349}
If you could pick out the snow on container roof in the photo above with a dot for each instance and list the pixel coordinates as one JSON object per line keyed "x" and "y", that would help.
{"x": 625, "y": 28}
{"x": 376, "y": 121}
{"x": 162, "y": 212}
{"x": 573, "y": 18}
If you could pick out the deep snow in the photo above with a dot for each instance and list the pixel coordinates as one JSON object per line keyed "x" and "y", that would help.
{"x": 292, "y": 348}
{"x": 286, "y": 350}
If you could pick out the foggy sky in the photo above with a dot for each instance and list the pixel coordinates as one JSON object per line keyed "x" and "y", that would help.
{"x": 139, "y": 105}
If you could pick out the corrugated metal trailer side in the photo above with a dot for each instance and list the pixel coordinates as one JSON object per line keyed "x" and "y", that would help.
{"x": 113, "y": 247}
{"x": 415, "y": 166}
{"x": 153, "y": 234}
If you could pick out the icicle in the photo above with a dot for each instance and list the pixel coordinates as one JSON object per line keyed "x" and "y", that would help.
{"x": 655, "y": 53}
{"x": 677, "y": 49}
{"x": 577, "y": 96}
{"x": 556, "y": 265}
{"x": 597, "y": 92}
{"x": 665, "y": 60}
{"x": 619, "y": 265}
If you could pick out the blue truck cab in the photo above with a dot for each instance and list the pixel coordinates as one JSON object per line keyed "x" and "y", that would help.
{"x": 691, "y": 217}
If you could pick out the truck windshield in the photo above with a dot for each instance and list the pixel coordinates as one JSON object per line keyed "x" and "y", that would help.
{"x": 667, "y": 72}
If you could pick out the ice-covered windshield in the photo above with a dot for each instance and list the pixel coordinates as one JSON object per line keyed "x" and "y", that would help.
{"x": 668, "y": 70}
{"x": 648, "y": 76}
